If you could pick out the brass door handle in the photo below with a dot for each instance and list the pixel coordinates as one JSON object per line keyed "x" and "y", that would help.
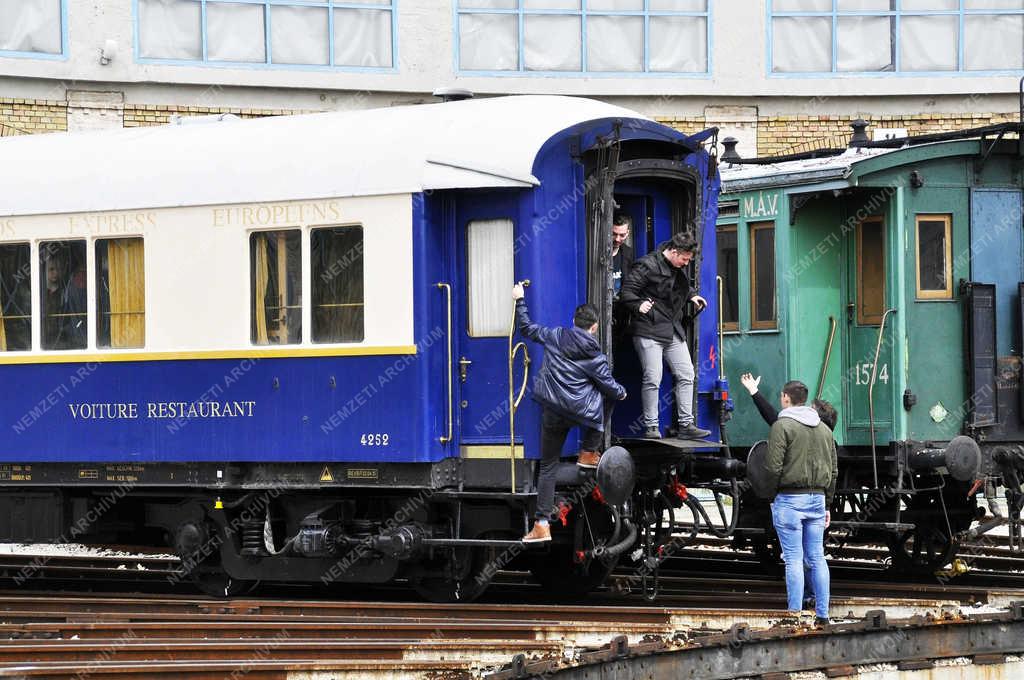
{"x": 463, "y": 366}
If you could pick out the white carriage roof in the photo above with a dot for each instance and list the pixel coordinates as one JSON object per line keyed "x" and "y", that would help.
{"x": 474, "y": 143}
{"x": 744, "y": 177}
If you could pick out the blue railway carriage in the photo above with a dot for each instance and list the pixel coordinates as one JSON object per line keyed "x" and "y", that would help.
{"x": 283, "y": 345}
{"x": 889, "y": 277}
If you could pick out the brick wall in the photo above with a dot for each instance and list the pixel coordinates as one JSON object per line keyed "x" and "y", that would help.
{"x": 139, "y": 115}
{"x": 22, "y": 116}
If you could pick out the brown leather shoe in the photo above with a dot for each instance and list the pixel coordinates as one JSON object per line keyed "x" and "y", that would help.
{"x": 588, "y": 459}
{"x": 538, "y": 534}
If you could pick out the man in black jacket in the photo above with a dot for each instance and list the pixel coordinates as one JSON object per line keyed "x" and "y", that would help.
{"x": 656, "y": 292}
{"x": 622, "y": 261}
{"x": 571, "y": 386}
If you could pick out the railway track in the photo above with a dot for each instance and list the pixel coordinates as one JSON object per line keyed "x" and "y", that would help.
{"x": 128, "y": 637}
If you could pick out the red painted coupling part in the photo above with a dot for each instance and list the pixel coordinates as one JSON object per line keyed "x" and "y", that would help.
{"x": 579, "y": 556}
{"x": 679, "y": 489}
{"x": 563, "y": 513}
{"x": 597, "y": 495}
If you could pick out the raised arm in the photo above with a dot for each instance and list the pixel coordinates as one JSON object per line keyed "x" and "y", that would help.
{"x": 527, "y": 328}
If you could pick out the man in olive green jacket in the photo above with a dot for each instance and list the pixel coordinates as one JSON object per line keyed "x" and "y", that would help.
{"x": 802, "y": 460}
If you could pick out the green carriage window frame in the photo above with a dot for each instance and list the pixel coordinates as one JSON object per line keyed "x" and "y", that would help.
{"x": 15, "y": 297}
{"x": 934, "y": 266}
{"x": 729, "y": 271}
{"x": 763, "y": 306}
{"x": 338, "y": 284}
{"x": 871, "y": 262}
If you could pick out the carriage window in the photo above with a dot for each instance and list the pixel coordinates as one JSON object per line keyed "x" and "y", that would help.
{"x": 870, "y": 271}
{"x": 120, "y": 293}
{"x": 934, "y": 261}
{"x": 275, "y": 266}
{"x": 489, "y": 256}
{"x": 63, "y": 292}
{"x": 15, "y": 298}
{"x": 337, "y": 263}
{"x": 728, "y": 269}
{"x": 762, "y": 276}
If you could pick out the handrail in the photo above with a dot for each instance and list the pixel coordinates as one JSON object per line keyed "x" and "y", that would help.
{"x": 871, "y": 393}
{"x": 447, "y": 288}
{"x": 513, "y": 398}
{"x": 828, "y": 356}
{"x": 721, "y": 330}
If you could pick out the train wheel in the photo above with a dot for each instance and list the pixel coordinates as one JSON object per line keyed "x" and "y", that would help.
{"x": 922, "y": 550}
{"x": 558, "y": 570}
{"x": 471, "y": 572}
{"x": 215, "y": 582}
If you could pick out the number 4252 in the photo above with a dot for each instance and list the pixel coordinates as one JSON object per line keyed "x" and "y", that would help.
{"x": 375, "y": 439}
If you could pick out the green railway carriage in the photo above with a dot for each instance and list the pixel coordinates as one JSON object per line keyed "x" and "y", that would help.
{"x": 888, "y": 276}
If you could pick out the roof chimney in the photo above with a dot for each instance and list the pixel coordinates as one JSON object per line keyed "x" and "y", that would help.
{"x": 860, "y": 135}
{"x": 730, "y": 155}
{"x": 452, "y": 94}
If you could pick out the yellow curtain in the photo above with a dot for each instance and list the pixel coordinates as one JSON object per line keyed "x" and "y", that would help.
{"x": 3, "y": 328}
{"x": 127, "y": 283}
{"x": 259, "y": 301}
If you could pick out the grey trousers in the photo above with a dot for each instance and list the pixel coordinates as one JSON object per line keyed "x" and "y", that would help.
{"x": 652, "y": 353}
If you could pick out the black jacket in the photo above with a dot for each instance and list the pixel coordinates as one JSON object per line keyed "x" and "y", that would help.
{"x": 575, "y": 374}
{"x": 653, "y": 278}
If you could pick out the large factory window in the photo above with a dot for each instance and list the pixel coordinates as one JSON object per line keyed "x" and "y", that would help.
{"x": 120, "y": 293}
{"x": 31, "y": 27}
{"x": 63, "y": 291}
{"x": 564, "y": 36}
{"x": 275, "y": 266}
{"x": 763, "y": 314}
{"x": 934, "y": 257}
{"x": 870, "y": 271}
{"x": 357, "y": 34}
{"x": 489, "y": 255}
{"x": 888, "y": 36}
{"x": 729, "y": 270}
{"x": 15, "y": 298}
{"x": 337, "y": 276}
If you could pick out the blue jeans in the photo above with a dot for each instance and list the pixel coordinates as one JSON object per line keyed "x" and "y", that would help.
{"x": 800, "y": 523}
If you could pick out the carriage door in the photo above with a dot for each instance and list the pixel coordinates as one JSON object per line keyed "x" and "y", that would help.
{"x": 866, "y": 305}
{"x": 484, "y": 276}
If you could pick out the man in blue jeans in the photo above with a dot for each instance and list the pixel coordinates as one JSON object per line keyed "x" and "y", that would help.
{"x": 571, "y": 386}
{"x": 802, "y": 461}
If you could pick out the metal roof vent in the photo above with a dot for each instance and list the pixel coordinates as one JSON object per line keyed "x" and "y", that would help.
{"x": 452, "y": 94}
{"x": 730, "y": 155}
{"x": 860, "y": 134}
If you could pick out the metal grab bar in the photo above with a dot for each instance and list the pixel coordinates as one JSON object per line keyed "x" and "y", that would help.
{"x": 871, "y": 393}
{"x": 513, "y": 398}
{"x": 828, "y": 356}
{"x": 445, "y": 438}
{"x": 721, "y": 330}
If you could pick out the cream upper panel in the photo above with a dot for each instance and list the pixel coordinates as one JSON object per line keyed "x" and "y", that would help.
{"x": 197, "y": 271}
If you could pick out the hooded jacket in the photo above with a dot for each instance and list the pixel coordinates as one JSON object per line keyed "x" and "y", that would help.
{"x": 802, "y": 454}
{"x": 653, "y": 278}
{"x": 575, "y": 375}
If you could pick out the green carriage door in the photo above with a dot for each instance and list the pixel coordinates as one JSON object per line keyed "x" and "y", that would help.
{"x": 866, "y": 304}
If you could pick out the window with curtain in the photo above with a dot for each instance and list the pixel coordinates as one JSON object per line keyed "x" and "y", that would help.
{"x": 896, "y": 36}
{"x": 31, "y": 26}
{"x": 870, "y": 271}
{"x": 729, "y": 270}
{"x": 15, "y": 298}
{"x": 763, "y": 313}
{"x": 336, "y": 255}
{"x": 275, "y": 266}
{"x": 63, "y": 292}
{"x": 489, "y": 257}
{"x": 120, "y": 293}
{"x": 354, "y": 34}
{"x": 583, "y": 36}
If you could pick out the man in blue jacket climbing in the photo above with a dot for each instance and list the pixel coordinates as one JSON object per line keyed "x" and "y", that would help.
{"x": 572, "y": 384}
